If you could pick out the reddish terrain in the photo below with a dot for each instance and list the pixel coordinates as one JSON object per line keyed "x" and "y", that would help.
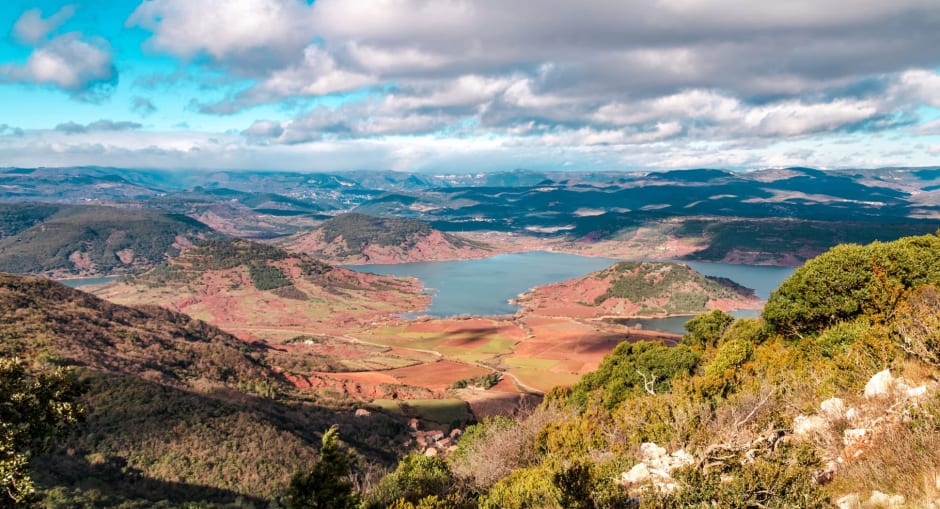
{"x": 436, "y": 246}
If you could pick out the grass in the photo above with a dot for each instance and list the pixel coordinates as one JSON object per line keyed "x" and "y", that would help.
{"x": 441, "y": 411}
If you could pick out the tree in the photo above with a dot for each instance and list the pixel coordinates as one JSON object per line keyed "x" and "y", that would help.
{"x": 327, "y": 484}
{"x": 706, "y": 329}
{"x": 35, "y": 410}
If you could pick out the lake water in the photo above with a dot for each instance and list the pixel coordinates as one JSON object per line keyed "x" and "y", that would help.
{"x": 484, "y": 287}
{"x": 88, "y": 281}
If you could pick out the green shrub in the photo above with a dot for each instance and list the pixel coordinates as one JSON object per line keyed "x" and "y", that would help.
{"x": 415, "y": 478}
{"x": 841, "y": 284}
{"x": 706, "y": 329}
{"x": 721, "y": 374}
{"x": 635, "y": 368}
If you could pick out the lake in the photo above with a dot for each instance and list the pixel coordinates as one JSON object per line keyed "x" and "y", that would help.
{"x": 88, "y": 281}
{"x": 484, "y": 286}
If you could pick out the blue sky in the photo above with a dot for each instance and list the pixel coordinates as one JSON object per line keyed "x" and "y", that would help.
{"x": 464, "y": 85}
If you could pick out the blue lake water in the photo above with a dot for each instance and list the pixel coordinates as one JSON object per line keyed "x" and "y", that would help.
{"x": 88, "y": 281}
{"x": 484, "y": 287}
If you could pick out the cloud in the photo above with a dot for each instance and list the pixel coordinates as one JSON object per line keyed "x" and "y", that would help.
{"x": 264, "y": 129}
{"x": 250, "y": 35}
{"x": 142, "y": 106}
{"x": 84, "y": 68}
{"x": 31, "y": 28}
{"x": 97, "y": 126}
{"x": 9, "y": 130}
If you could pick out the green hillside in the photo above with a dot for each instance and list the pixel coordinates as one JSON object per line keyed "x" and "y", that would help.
{"x": 178, "y": 411}
{"x": 64, "y": 240}
{"x": 685, "y": 290}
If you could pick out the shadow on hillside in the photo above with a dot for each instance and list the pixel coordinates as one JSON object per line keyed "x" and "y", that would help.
{"x": 468, "y": 336}
{"x": 110, "y": 481}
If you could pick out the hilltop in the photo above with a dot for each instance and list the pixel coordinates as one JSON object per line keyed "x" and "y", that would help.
{"x": 77, "y": 240}
{"x": 250, "y": 288}
{"x": 355, "y": 238}
{"x": 638, "y": 289}
{"x": 178, "y": 410}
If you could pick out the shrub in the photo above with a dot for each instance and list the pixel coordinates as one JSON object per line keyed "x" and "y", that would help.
{"x": 841, "y": 284}
{"x": 326, "y": 485}
{"x": 415, "y": 478}
{"x": 918, "y": 324}
{"x": 706, "y": 329}
{"x": 635, "y": 368}
{"x": 721, "y": 374}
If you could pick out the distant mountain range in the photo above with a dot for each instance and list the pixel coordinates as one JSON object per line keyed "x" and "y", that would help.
{"x": 772, "y": 216}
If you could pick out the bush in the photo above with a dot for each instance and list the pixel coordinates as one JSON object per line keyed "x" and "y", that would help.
{"x": 721, "y": 374}
{"x": 706, "y": 329}
{"x": 416, "y": 478}
{"x": 635, "y": 368}
{"x": 841, "y": 284}
{"x": 918, "y": 324}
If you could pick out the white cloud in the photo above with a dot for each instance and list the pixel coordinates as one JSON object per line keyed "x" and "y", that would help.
{"x": 69, "y": 62}
{"x": 250, "y": 34}
{"x": 31, "y": 28}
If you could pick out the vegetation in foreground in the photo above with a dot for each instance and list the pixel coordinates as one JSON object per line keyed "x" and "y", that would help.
{"x": 801, "y": 408}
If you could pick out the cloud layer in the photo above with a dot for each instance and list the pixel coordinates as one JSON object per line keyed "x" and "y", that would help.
{"x": 598, "y": 82}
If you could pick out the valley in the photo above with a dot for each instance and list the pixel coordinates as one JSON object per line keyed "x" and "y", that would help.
{"x": 408, "y": 325}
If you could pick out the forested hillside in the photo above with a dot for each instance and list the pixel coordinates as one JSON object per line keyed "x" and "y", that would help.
{"x": 360, "y": 238}
{"x": 72, "y": 240}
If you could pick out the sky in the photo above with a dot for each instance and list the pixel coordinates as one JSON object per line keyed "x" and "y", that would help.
{"x": 469, "y": 85}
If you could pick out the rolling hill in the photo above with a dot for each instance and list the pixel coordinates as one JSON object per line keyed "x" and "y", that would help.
{"x": 178, "y": 411}
{"x": 358, "y": 238}
{"x": 638, "y": 289}
{"x": 250, "y": 288}
{"x": 76, "y": 240}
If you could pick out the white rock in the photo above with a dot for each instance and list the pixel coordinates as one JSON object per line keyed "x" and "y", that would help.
{"x": 850, "y": 501}
{"x": 430, "y": 452}
{"x": 916, "y": 392}
{"x": 851, "y": 413}
{"x": 805, "y": 425}
{"x": 681, "y": 458}
{"x": 850, "y": 436}
{"x": 362, "y": 412}
{"x": 833, "y": 408}
{"x": 638, "y": 474}
{"x": 880, "y": 385}
{"x": 651, "y": 451}
{"x": 879, "y": 499}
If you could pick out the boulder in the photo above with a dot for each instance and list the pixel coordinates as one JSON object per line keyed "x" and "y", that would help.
{"x": 833, "y": 409}
{"x": 880, "y": 385}
{"x": 808, "y": 425}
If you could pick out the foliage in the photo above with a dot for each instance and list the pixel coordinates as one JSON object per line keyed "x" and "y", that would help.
{"x": 526, "y": 488}
{"x": 483, "y": 381}
{"x": 706, "y": 329}
{"x": 644, "y": 282}
{"x": 635, "y": 368}
{"x": 777, "y": 477}
{"x": 327, "y": 484}
{"x": 918, "y": 324}
{"x": 416, "y": 478}
{"x": 101, "y": 235}
{"x": 35, "y": 411}
{"x": 267, "y": 277}
{"x": 722, "y": 373}
{"x": 841, "y": 284}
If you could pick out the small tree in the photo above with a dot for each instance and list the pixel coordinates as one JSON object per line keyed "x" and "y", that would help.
{"x": 327, "y": 484}
{"x": 35, "y": 410}
{"x": 706, "y": 329}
